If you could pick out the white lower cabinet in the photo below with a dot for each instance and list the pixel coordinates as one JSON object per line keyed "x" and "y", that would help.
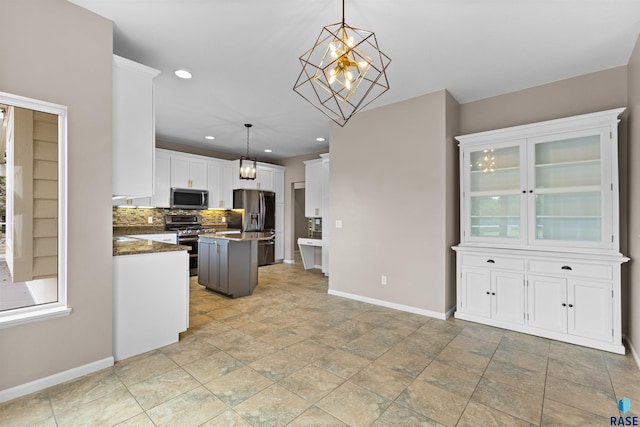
{"x": 497, "y": 295}
{"x": 581, "y": 308}
{"x": 543, "y": 294}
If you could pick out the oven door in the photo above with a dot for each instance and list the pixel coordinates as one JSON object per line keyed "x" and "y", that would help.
{"x": 192, "y": 242}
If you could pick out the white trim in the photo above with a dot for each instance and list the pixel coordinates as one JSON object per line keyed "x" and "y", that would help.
{"x": 289, "y": 261}
{"x": 51, "y": 380}
{"x": 401, "y": 307}
{"x": 634, "y": 353}
{"x": 33, "y": 314}
{"x": 450, "y": 312}
{"x": 59, "y": 308}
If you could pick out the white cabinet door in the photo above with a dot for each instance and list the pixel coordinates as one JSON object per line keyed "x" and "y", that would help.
{"x": 570, "y": 200}
{"x": 507, "y": 297}
{"x": 133, "y": 128}
{"x": 589, "y": 309}
{"x": 264, "y": 178}
{"x": 198, "y": 174}
{"x": 219, "y": 184}
{"x": 180, "y": 177}
{"x": 188, "y": 173}
{"x": 494, "y": 188}
{"x": 313, "y": 188}
{"x": 162, "y": 184}
{"x": 226, "y": 185}
{"x": 278, "y": 185}
{"x": 547, "y": 303}
{"x": 214, "y": 171}
{"x": 476, "y": 291}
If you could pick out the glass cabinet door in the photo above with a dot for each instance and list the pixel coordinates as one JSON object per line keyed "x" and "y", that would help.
{"x": 568, "y": 201}
{"x": 494, "y": 202}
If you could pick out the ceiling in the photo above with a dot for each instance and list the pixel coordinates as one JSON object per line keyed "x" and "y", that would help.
{"x": 243, "y": 55}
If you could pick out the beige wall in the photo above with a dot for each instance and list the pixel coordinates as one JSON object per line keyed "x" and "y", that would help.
{"x": 392, "y": 175}
{"x": 57, "y": 52}
{"x": 633, "y": 113}
{"x": 294, "y": 172}
{"x": 579, "y": 95}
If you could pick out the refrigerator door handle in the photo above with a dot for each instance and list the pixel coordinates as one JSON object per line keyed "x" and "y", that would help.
{"x": 262, "y": 210}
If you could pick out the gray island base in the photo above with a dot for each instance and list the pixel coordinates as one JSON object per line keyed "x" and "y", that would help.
{"x": 229, "y": 265}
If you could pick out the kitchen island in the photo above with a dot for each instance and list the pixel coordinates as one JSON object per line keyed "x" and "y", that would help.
{"x": 150, "y": 295}
{"x": 228, "y": 263}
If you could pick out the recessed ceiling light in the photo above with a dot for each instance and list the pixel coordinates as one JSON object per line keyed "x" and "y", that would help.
{"x": 268, "y": 150}
{"x": 209, "y": 137}
{"x": 183, "y": 74}
{"x": 320, "y": 139}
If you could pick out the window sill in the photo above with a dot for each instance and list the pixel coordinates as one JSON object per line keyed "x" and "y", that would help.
{"x": 32, "y": 314}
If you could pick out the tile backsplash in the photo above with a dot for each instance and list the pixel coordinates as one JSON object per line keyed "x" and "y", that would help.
{"x": 140, "y": 216}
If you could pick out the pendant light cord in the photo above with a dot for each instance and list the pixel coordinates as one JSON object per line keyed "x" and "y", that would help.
{"x": 248, "y": 126}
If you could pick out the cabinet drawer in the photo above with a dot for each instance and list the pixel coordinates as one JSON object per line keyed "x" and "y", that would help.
{"x": 571, "y": 268}
{"x": 493, "y": 262}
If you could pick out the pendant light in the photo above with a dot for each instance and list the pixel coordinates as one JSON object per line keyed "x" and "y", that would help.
{"x": 247, "y": 164}
{"x": 343, "y": 72}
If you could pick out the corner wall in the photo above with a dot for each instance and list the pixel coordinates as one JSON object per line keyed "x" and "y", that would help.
{"x": 392, "y": 178}
{"x": 633, "y": 113}
{"x": 55, "y": 51}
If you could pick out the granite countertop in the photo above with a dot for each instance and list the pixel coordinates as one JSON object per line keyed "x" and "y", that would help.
{"x": 239, "y": 237}
{"x": 123, "y": 245}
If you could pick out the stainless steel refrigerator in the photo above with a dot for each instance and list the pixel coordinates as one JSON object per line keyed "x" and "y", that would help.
{"x": 259, "y": 214}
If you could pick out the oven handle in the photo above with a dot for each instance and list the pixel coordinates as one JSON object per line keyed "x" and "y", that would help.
{"x": 187, "y": 239}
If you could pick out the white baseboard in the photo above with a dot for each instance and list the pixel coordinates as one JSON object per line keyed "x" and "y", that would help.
{"x": 401, "y": 307}
{"x": 51, "y": 380}
{"x": 634, "y": 352}
{"x": 289, "y": 261}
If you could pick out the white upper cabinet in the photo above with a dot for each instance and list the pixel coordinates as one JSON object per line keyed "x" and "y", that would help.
{"x": 313, "y": 188}
{"x": 133, "y": 128}
{"x": 548, "y": 185}
{"x": 220, "y": 184}
{"x": 188, "y": 172}
{"x": 265, "y": 178}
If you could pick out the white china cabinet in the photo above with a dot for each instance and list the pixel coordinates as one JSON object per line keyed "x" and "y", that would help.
{"x": 539, "y": 250}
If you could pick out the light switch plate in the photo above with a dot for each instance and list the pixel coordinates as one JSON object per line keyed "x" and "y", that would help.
{"x": 338, "y": 223}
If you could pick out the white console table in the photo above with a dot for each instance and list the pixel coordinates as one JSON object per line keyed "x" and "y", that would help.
{"x": 311, "y": 258}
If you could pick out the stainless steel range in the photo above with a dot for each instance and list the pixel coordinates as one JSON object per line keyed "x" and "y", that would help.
{"x": 188, "y": 227}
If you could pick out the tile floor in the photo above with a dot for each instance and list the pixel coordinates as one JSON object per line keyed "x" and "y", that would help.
{"x": 292, "y": 355}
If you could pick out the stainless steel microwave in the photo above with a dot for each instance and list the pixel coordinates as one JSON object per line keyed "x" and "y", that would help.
{"x": 188, "y": 198}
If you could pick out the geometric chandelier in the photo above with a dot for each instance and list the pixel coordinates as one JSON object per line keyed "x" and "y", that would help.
{"x": 343, "y": 72}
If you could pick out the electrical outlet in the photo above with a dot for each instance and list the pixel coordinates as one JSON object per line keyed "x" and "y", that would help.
{"x": 150, "y": 220}
{"x": 383, "y": 280}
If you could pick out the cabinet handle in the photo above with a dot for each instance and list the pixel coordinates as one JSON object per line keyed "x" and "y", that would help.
{"x": 566, "y": 267}
{"x": 524, "y": 191}
{"x": 493, "y": 293}
{"x": 530, "y": 191}
{"x": 570, "y": 305}
{"x": 488, "y": 293}
{"x": 564, "y": 304}
{"x": 490, "y": 261}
